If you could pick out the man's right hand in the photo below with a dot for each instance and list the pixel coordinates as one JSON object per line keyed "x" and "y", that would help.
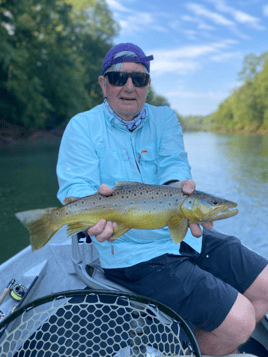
{"x": 102, "y": 230}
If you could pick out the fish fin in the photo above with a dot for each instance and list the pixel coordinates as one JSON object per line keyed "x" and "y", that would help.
{"x": 38, "y": 223}
{"x": 178, "y": 228}
{"x": 70, "y": 199}
{"x": 78, "y": 227}
{"x": 118, "y": 232}
{"x": 121, "y": 184}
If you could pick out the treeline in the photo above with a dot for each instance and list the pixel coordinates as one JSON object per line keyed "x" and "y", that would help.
{"x": 246, "y": 109}
{"x": 51, "y": 53}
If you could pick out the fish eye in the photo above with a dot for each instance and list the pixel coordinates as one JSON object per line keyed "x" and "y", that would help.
{"x": 214, "y": 201}
{"x": 190, "y": 202}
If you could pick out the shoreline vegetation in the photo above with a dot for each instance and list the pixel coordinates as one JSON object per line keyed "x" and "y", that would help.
{"x": 13, "y": 134}
{"x": 50, "y": 60}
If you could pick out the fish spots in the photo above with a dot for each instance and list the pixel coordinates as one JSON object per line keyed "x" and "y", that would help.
{"x": 93, "y": 203}
{"x": 82, "y": 202}
{"x": 122, "y": 196}
{"x": 160, "y": 202}
{"x": 152, "y": 197}
{"x": 100, "y": 198}
{"x": 57, "y": 213}
{"x": 66, "y": 214}
{"x": 145, "y": 202}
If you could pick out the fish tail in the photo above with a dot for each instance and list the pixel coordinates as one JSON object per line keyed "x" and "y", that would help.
{"x": 38, "y": 223}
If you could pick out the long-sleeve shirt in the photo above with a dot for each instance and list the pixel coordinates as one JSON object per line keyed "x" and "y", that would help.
{"x": 96, "y": 148}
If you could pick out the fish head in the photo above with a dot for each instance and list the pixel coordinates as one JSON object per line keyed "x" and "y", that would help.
{"x": 201, "y": 207}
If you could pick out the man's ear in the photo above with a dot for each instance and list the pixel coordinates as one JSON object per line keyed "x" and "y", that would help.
{"x": 102, "y": 83}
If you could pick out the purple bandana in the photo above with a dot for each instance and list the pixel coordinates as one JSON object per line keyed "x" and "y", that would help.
{"x": 141, "y": 58}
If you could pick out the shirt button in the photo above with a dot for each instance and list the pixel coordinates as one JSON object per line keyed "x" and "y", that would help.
{"x": 116, "y": 121}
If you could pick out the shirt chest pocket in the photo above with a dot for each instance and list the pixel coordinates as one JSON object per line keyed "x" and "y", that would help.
{"x": 148, "y": 162}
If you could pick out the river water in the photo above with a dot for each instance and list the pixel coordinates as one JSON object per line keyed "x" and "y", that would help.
{"x": 232, "y": 166}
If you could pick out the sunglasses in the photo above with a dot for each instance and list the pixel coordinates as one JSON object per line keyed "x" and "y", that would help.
{"x": 119, "y": 79}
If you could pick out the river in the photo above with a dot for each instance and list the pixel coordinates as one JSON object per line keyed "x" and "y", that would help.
{"x": 232, "y": 166}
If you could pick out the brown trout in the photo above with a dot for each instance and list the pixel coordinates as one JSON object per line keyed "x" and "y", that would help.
{"x": 132, "y": 205}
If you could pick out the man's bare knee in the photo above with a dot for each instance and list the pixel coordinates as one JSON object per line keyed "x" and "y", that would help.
{"x": 234, "y": 331}
{"x": 239, "y": 323}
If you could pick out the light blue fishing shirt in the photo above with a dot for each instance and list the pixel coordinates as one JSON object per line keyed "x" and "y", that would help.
{"x": 96, "y": 148}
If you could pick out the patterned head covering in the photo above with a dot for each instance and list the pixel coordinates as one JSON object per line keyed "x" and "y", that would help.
{"x": 141, "y": 58}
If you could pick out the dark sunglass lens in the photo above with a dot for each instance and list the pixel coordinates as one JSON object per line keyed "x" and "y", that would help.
{"x": 117, "y": 78}
{"x": 140, "y": 79}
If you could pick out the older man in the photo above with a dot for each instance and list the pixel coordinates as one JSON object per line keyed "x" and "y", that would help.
{"x": 214, "y": 281}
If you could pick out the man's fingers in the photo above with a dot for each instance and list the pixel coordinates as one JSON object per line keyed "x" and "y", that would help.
{"x": 106, "y": 233}
{"x": 195, "y": 229}
{"x": 188, "y": 187}
{"x": 207, "y": 225}
{"x": 105, "y": 190}
{"x": 97, "y": 228}
{"x": 102, "y": 230}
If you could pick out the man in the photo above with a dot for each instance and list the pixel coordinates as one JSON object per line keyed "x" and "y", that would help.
{"x": 213, "y": 281}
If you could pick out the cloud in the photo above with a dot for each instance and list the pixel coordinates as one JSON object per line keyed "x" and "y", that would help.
{"x": 265, "y": 10}
{"x": 117, "y": 6}
{"x": 238, "y": 15}
{"x": 188, "y": 58}
{"x": 197, "y": 95}
{"x": 138, "y": 21}
{"x": 134, "y": 21}
{"x": 201, "y": 24}
{"x": 200, "y": 10}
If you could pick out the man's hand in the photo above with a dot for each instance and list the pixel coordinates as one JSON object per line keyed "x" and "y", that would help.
{"x": 188, "y": 186}
{"x": 102, "y": 230}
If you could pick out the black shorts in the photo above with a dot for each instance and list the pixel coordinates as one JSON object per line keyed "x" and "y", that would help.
{"x": 201, "y": 288}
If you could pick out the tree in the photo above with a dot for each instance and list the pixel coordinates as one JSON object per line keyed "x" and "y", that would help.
{"x": 48, "y": 64}
{"x": 156, "y": 99}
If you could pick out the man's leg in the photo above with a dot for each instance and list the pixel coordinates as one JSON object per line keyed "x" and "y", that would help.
{"x": 233, "y": 331}
{"x": 257, "y": 293}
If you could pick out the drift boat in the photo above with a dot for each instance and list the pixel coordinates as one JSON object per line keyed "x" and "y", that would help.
{"x": 56, "y": 302}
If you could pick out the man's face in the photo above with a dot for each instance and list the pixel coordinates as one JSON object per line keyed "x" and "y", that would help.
{"x": 128, "y": 100}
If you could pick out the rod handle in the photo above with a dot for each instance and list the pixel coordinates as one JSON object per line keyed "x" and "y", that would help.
{"x": 3, "y": 295}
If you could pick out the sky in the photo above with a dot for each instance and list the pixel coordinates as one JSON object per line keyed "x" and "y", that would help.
{"x": 198, "y": 46}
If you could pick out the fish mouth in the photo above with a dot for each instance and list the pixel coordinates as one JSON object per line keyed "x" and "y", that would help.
{"x": 223, "y": 213}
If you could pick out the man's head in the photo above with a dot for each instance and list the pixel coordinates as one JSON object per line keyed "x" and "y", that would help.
{"x": 126, "y": 94}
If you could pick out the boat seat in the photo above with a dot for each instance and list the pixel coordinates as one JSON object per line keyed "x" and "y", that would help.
{"x": 85, "y": 258}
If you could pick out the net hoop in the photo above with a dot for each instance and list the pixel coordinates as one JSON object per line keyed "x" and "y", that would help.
{"x": 95, "y": 323}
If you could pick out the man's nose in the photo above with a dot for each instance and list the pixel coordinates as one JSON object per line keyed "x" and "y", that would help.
{"x": 129, "y": 85}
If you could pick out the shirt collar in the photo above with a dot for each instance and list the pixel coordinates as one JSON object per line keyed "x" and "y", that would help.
{"x": 132, "y": 124}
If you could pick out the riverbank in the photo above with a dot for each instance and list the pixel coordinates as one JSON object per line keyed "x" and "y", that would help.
{"x": 10, "y": 134}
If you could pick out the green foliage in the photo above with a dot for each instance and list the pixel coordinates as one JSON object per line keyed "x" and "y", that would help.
{"x": 247, "y": 107}
{"x": 156, "y": 99}
{"x": 50, "y": 58}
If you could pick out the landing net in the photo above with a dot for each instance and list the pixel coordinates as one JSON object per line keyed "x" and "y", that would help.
{"x": 95, "y": 323}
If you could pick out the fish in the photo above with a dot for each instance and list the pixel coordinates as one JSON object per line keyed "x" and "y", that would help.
{"x": 132, "y": 205}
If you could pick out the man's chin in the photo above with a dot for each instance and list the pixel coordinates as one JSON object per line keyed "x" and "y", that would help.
{"x": 128, "y": 114}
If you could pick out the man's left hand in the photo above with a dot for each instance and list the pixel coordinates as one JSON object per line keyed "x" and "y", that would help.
{"x": 188, "y": 186}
